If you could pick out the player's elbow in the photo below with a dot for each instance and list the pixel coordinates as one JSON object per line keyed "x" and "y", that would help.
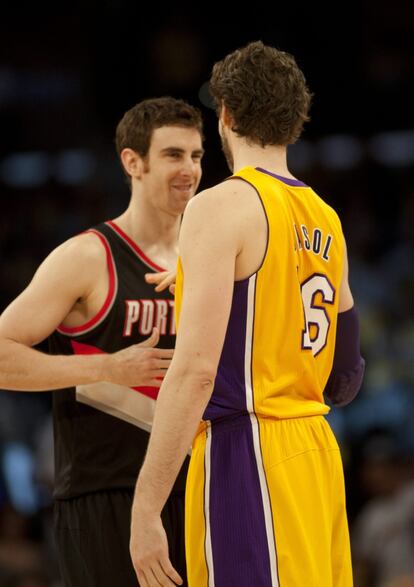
{"x": 343, "y": 386}
{"x": 204, "y": 377}
{"x": 198, "y": 376}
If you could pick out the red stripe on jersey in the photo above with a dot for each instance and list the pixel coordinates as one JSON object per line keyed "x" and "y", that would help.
{"x": 134, "y": 246}
{"x": 151, "y": 392}
{"x": 109, "y": 298}
{"x": 79, "y": 348}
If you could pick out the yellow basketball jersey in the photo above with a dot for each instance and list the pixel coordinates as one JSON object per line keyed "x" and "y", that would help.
{"x": 280, "y": 340}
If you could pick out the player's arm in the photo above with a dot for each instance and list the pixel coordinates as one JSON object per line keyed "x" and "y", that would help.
{"x": 66, "y": 276}
{"x": 208, "y": 248}
{"x": 346, "y": 300}
{"x": 348, "y": 367}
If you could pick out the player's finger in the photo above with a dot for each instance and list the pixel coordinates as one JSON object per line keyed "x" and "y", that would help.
{"x": 152, "y": 340}
{"x": 161, "y": 364}
{"x": 161, "y": 286}
{"x": 161, "y": 577}
{"x": 155, "y": 277}
{"x": 142, "y": 578}
{"x": 163, "y": 353}
{"x": 170, "y": 572}
{"x": 157, "y": 373}
{"x": 153, "y": 383}
{"x": 167, "y": 281}
{"x": 172, "y": 288}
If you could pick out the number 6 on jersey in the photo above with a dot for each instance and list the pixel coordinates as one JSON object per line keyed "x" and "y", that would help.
{"x": 316, "y": 315}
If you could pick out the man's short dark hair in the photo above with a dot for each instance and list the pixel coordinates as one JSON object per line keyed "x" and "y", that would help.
{"x": 135, "y": 129}
{"x": 264, "y": 92}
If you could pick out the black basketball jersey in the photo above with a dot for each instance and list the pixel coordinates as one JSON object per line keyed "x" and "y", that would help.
{"x": 94, "y": 450}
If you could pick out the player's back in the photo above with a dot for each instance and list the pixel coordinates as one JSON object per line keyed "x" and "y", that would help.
{"x": 279, "y": 344}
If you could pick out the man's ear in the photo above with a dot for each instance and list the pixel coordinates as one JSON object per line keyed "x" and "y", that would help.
{"x": 225, "y": 117}
{"x": 132, "y": 162}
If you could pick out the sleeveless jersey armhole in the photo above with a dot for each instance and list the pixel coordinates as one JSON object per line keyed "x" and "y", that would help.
{"x": 110, "y": 298}
{"x": 267, "y": 225}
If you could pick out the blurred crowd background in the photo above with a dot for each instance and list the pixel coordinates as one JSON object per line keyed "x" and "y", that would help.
{"x": 65, "y": 81}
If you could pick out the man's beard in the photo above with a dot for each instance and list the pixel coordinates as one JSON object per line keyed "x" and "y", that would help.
{"x": 227, "y": 153}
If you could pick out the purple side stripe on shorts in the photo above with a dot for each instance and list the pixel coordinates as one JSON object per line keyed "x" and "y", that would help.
{"x": 240, "y": 550}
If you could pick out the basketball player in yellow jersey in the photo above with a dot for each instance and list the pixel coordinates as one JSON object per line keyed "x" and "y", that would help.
{"x": 266, "y": 328}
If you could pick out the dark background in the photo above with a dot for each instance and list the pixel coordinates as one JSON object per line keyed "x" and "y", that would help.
{"x": 67, "y": 77}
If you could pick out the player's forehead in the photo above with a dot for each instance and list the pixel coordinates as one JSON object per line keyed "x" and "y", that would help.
{"x": 180, "y": 137}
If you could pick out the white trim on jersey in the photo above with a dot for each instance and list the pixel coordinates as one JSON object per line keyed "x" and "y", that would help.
{"x": 207, "y": 476}
{"x": 119, "y": 401}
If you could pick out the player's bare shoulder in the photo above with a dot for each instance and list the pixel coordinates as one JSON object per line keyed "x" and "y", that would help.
{"x": 77, "y": 263}
{"x": 71, "y": 275}
{"x": 224, "y": 215}
{"x": 206, "y": 210}
{"x": 87, "y": 248}
{"x": 224, "y": 197}
{"x": 236, "y": 204}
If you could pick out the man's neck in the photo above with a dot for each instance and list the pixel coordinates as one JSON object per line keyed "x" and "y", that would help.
{"x": 154, "y": 231}
{"x": 272, "y": 158}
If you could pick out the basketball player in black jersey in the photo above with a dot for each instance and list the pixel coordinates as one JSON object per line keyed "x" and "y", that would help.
{"x": 104, "y": 320}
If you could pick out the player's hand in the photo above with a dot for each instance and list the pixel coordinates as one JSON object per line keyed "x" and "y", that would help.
{"x": 139, "y": 364}
{"x": 149, "y": 552}
{"x": 162, "y": 280}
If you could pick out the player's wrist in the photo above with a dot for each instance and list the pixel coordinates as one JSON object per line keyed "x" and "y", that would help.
{"x": 145, "y": 506}
{"x": 146, "y": 503}
{"x": 102, "y": 367}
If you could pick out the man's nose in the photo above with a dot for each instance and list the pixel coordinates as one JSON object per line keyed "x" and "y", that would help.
{"x": 189, "y": 166}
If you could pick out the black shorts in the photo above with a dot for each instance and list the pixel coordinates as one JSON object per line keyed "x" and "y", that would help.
{"x": 92, "y": 537}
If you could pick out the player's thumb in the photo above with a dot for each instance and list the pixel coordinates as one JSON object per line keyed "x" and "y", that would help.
{"x": 152, "y": 340}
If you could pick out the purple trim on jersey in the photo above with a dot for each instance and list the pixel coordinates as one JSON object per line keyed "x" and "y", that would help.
{"x": 229, "y": 394}
{"x": 286, "y": 180}
{"x": 237, "y": 521}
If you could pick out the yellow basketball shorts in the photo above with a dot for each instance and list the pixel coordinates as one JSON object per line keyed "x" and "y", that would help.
{"x": 265, "y": 505}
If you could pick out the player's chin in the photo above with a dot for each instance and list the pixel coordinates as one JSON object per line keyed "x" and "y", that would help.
{"x": 181, "y": 202}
